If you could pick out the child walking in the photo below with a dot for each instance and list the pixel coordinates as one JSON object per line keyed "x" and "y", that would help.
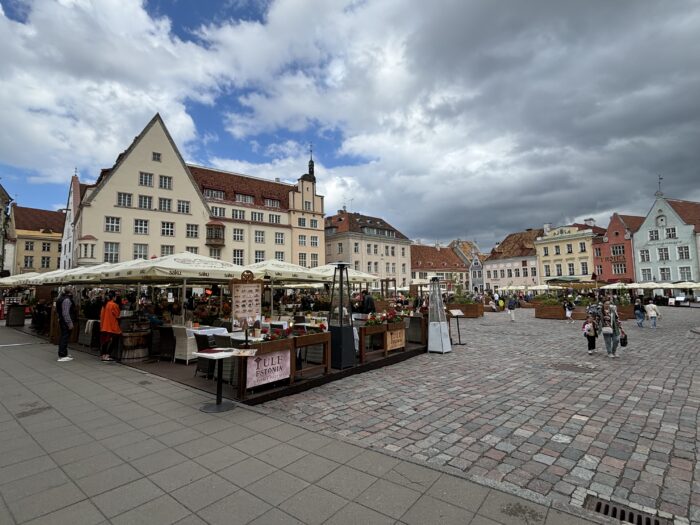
{"x": 589, "y": 330}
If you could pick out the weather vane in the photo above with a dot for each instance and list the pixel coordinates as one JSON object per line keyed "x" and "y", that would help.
{"x": 659, "y": 193}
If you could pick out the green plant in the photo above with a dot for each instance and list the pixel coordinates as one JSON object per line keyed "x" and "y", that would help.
{"x": 373, "y": 320}
{"x": 549, "y": 301}
{"x": 462, "y": 299}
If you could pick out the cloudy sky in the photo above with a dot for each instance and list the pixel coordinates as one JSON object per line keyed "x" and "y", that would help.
{"x": 453, "y": 118}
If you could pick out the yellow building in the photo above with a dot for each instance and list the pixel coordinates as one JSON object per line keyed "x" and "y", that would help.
{"x": 36, "y": 235}
{"x": 151, "y": 203}
{"x": 566, "y": 252}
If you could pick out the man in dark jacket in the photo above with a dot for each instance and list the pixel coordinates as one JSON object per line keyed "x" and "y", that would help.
{"x": 65, "y": 310}
{"x": 368, "y": 303}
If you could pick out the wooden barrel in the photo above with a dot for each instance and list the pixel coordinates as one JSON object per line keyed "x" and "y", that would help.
{"x": 134, "y": 347}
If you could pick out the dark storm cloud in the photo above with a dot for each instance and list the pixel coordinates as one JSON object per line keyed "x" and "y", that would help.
{"x": 598, "y": 98}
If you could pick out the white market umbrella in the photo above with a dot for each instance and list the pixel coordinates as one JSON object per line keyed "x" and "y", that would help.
{"x": 685, "y": 285}
{"x": 177, "y": 267}
{"x": 354, "y": 276}
{"x": 41, "y": 278}
{"x": 545, "y": 287}
{"x": 615, "y": 286}
{"x": 283, "y": 271}
{"x": 649, "y": 286}
{"x": 16, "y": 280}
{"x": 87, "y": 274}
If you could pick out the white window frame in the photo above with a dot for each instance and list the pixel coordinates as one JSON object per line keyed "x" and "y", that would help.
{"x": 146, "y": 179}
{"x": 136, "y": 249}
{"x": 165, "y": 204}
{"x": 167, "y": 229}
{"x": 143, "y": 199}
{"x": 141, "y": 226}
{"x": 124, "y": 199}
{"x": 279, "y": 238}
{"x": 238, "y": 234}
{"x": 165, "y": 182}
{"x": 192, "y": 231}
{"x": 259, "y": 256}
{"x": 111, "y": 252}
{"x": 238, "y": 256}
{"x": 259, "y": 237}
{"x": 113, "y": 224}
{"x": 183, "y": 206}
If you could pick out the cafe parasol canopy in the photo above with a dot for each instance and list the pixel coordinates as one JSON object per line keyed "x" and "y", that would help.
{"x": 545, "y": 287}
{"x": 283, "y": 271}
{"x": 354, "y": 276}
{"x": 16, "y": 280}
{"x": 183, "y": 266}
{"x": 616, "y": 286}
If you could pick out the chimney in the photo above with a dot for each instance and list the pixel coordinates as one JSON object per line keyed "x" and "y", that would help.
{"x": 344, "y": 208}
{"x": 589, "y": 222}
{"x": 277, "y": 179}
{"x": 547, "y": 227}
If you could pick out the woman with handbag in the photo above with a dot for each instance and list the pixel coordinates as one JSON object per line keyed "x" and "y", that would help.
{"x": 611, "y": 329}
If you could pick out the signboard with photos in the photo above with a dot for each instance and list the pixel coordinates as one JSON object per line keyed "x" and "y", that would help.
{"x": 246, "y": 298}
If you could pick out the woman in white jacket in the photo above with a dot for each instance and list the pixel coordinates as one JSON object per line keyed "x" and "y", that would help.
{"x": 652, "y": 312}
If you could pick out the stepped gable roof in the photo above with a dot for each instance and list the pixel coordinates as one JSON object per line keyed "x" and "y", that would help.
{"x": 231, "y": 183}
{"x": 433, "y": 258}
{"x": 597, "y": 230}
{"x": 633, "y": 222}
{"x": 468, "y": 248}
{"x": 345, "y": 221}
{"x": 688, "y": 211}
{"x": 519, "y": 244}
{"x": 34, "y": 219}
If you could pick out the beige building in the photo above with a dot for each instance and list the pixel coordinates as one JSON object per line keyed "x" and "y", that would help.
{"x": 567, "y": 251}
{"x": 370, "y": 245}
{"x": 36, "y": 236}
{"x": 151, "y": 203}
{"x": 513, "y": 261}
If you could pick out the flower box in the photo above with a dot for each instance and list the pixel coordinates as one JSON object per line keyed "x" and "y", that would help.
{"x": 374, "y": 329}
{"x": 471, "y": 310}
{"x": 555, "y": 311}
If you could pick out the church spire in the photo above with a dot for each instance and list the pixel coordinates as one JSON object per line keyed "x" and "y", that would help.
{"x": 311, "y": 159}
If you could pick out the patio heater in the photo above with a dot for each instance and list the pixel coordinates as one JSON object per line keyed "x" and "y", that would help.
{"x": 438, "y": 329}
{"x": 340, "y": 320}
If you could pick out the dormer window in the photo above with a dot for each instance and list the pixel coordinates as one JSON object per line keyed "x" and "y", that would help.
{"x": 247, "y": 199}
{"x": 272, "y": 203}
{"x": 214, "y": 194}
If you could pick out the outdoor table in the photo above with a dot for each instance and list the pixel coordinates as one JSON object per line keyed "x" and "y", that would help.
{"x": 216, "y": 330}
{"x": 220, "y": 355}
{"x": 240, "y": 336}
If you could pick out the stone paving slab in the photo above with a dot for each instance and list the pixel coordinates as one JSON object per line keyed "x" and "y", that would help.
{"x": 90, "y": 443}
{"x": 522, "y": 406}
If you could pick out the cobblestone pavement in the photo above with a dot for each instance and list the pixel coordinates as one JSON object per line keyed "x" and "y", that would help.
{"x": 524, "y": 404}
{"x": 89, "y": 443}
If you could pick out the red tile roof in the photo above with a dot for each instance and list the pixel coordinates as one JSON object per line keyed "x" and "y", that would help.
{"x": 633, "y": 222}
{"x": 688, "y": 211}
{"x": 354, "y": 222}
{"x": 468, "y": 248}
{"x": 232, "y": 183}
{"x": 520, "y": 244}
{"x": 431, "y": 258}
{"x": 34, "y": 219}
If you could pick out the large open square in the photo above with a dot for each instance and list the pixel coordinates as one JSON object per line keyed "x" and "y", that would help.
{"x": 522, "y": 403}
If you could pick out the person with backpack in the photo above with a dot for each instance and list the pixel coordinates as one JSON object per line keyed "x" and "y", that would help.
{"x": 512, "y": 304}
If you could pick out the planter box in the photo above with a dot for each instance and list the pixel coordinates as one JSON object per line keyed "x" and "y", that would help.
{"x": 625, "y": 312}
{"x": 392, "y": 327}
{"x": 525, "y": 304}
{"x": 376, "y": 329}
{"x": 579, "y": 313}
{"x": 469, "y": 310}
{"x": 555, "y": 311}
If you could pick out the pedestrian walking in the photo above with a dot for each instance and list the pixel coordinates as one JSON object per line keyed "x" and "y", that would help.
{"x": 569, "y": 309}
{"x": 611, "y": 329}
{"x": 109, "y": 328}
{"x": 652, "y": 312}
{"x": 65, "y": 311}
{"x": 590, "y": 331}
{"x": 512, "y": 305}
{"x": 639, "y": 312}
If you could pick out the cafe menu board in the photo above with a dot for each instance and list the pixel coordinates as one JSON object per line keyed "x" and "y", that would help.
{"x": 246, "y": 300}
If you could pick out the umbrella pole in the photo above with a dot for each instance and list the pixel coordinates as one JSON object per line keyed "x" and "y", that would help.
{"x": 184, "y": 291}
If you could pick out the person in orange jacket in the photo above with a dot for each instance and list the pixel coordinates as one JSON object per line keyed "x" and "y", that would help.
{"x": 109, "y": 328}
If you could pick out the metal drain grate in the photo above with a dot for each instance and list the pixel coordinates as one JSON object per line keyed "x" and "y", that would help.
{"x": 622, "y": 512}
